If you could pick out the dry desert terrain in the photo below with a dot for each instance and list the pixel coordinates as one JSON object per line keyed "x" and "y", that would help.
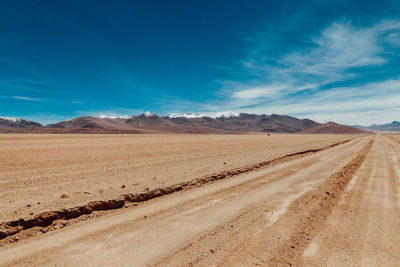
{"x": 202, "y": 200}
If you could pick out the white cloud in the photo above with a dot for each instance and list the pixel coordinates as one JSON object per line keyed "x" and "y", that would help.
{"x": 377, "y": 102}
{"x": 256, "y": 92}
{"x": 394, "y": 38}
{"x": 338, "y": 53}
{"x": 339, "y": 47}
{"x": 27, "y": 98}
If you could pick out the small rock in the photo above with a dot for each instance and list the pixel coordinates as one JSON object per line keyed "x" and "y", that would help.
{"x": 211, "y": 250}
{"x": 64, "y": 196}
{"x": 123, "y": 186}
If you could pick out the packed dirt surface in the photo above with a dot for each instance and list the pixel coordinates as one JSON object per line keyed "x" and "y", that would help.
{"x": 339, "y": 206}
{"x": 41, "y": 173}
{"x": 394, "y": 137}
{"x": 364, "y": 228}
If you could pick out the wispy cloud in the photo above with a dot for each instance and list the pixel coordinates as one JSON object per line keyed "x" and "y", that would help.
{"x": 305, "y": 81}
{"x": 27, "y": 98}
{"x": 21, "y": 85}
{"x": 339, "y": 47}
{"x": 256, "y": 92}
{"x": 376, "y": 102}
{"x": 330, "y": 57}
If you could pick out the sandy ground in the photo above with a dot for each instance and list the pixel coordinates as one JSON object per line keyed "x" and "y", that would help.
{"x": 364, "y": 228}
{"x": 336, "y": 207}
{"x": 47, "y": 172}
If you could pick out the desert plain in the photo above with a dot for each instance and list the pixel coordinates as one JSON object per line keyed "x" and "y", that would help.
{"x": 199, "y": 200}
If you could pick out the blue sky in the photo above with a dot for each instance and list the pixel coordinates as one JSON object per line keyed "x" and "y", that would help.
{"x": 335, "y": 61}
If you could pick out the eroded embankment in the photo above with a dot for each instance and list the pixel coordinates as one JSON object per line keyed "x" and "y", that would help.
{"x": 8, "y": 229}
{"x": 308, "y": 213}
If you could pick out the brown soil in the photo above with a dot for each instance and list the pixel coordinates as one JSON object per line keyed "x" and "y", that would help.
{"x": 11, "y": 228}
{"x": 337, "y": 206}
{"x": 40, "y": 173}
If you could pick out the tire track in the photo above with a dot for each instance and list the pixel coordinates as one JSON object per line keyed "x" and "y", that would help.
{"x": 363, "y": 230}
{"x": 310, "y": 211}
{"x": 284, "y": 243}
{"x": 250, "y": 234}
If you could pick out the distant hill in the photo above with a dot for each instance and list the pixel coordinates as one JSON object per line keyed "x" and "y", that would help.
{"x": 393, "y": 126}
{"x": 190, "y": 123}
{"x": 333, "y": 128}
{"x": 91, "y": 124}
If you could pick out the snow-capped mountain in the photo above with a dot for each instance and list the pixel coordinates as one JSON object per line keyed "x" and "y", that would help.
{"x": 13, "y": 119}
{"x": 8, "y": 124}
{"x": 149, "y": 114}
{"x": 226, "y": 114}
{"x": 185, "y": 115}
{"x": 114, "y": 117}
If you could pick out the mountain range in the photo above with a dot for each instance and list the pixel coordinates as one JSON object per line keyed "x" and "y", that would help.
{"x": 190, "y": 123}
{"x": 393, "y": 126}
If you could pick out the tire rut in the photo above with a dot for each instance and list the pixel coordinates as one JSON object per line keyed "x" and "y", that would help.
{"x": 311, "y": 210}
{"x": 284, "y": 242}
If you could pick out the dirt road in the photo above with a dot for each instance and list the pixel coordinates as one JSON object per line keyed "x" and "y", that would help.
{"x": 364, "y": 228}
{"x": 338, "y": 206}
